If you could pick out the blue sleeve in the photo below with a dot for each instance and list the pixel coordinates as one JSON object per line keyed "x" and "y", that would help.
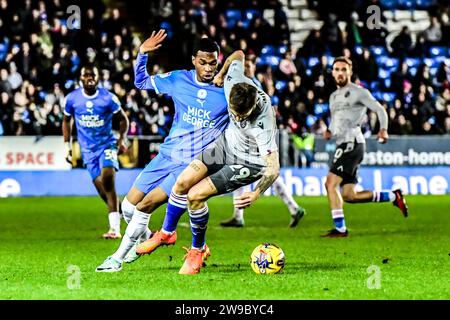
{"x": 160, "y": 83}
{"x": 115, "y": 104}
{"x": 68, "y": 106}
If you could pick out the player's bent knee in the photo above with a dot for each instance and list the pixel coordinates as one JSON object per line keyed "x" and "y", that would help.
{"x": 182, "y": 185}
{"x": 108, "y": 179}
{"x": 134, "y": 196}
{"x": 195, "y": 197}
{"x": 148, "y": 205}
{"x": 349, "y": 197}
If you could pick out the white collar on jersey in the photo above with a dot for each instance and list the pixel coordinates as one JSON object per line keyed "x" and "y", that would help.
{"x": 203, "y": 84}
{"x": 88, "y": 96}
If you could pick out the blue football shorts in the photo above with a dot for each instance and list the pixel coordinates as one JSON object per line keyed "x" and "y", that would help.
{"x": 160, "y": 172}
{"x": 103, "y": 158}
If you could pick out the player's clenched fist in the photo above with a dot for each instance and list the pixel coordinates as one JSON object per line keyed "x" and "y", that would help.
{"x": 122, "y": 146}
{"x": 327, "y": 134}
{"x": 154, "y": 42}
{"x": 383, "y": 136}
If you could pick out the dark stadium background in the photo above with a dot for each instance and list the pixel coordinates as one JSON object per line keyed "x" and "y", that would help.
{"x": 404, "y": 63}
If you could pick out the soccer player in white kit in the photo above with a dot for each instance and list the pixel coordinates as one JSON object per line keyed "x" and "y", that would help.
{"x": 279, "y": 187}
{"x": 348, "y": 107}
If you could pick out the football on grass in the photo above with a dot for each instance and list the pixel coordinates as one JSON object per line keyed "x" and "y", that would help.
{"x": 267, "y": 258}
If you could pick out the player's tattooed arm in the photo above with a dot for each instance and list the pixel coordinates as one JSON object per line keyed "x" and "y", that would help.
{"x": 271, "y": 172}
{"x": 237, "y": 55}
{"x": 270, "y": 175}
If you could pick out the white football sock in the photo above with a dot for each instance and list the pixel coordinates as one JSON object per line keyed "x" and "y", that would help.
{"x": 136, "y": 228}
{"x": 127, "y": 211}
{"x": 114, "y": 221}
{"x": 281, "y": 190}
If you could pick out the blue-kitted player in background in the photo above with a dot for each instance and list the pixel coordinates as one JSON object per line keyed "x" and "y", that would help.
{"x": 200, "y": 117}
{"x": 93, "y": 110}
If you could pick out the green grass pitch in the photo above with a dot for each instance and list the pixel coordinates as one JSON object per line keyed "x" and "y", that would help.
{"x": 40, "y": 238}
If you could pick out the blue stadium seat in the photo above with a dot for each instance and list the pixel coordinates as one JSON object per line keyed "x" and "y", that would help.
{"x": 389, "y": 4}
{"x": 359, "y": 50}
{"x": 320, "y": 108}
{"x": 280, "y": 85}
{"x": 387, "y": 83}
{"x": 42, "y": 94}
{"x": 387, "y": 63}
{"x": 389, "y": 97}
{"x": 376, "y": 95}
{"x": 407, "y": 4}
{"x": 168, "y": 27}
{"x": 275, "y": 100}
{"x": 375, "y": 86}
{"x": 273, "y": 61}
{"x": 392, "y": 63}
{"x": 330, "y": 60}
{"x": 440, "y": 59}
{"x": 310, "y": 120}
{"x": 268, "y": 50}
{"x": 432, "y": 63}
{"x": 384, "y": 73}
{"x": 412, "y": 71}
{"x": 233, "y": 16}
{"x": 413, "y": 62}
{"x": 282, "y": 50}
{"x": 438, "y": 51}
{"x": 250, "y": 14}
{"x": 424, "y": 4}
{"x": 3, "y": 51}
{"x": 308, "y": 72}
{"x": 4, "y": 47}
{"x": 433, "y": 71}
{"x": 378, "y": 50}
{"x": 69, "y": 83}
{"x": 245, "y": 24}
{"x": 312, "y": 61}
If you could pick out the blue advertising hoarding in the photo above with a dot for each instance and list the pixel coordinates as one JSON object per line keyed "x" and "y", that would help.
{"x": 302, "y": 182}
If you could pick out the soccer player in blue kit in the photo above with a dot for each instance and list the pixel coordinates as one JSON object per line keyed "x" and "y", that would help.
{"x": 200, "y": 117}
{"x": 93, "y": 110}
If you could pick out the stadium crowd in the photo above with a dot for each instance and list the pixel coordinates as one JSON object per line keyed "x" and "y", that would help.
{"x": 42, "y": 51}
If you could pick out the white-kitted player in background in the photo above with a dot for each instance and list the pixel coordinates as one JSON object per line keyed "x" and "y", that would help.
{"x": 348, "y": 107}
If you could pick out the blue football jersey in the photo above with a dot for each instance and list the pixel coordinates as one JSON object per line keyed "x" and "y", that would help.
{"x": 200, "y": 110}
{"x": 93, "y": 117}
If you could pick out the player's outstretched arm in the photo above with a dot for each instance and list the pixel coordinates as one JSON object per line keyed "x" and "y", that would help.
{"x": 237, "y": 55}
{"x": 142, "y": 79}
{"x": 67, "y": 129}
{"x": 271, "y": 173}
{"x": 154, "y": 42}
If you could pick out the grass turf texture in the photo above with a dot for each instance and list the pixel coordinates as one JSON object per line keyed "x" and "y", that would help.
{"x": 41, "y": 237}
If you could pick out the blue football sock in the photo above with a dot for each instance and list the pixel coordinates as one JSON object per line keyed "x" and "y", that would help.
{"x": 383, "y": 196}
{"x": 338, "y": 219}
{"x": 175, "y": 208}
{"x": 199, "y": 220}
